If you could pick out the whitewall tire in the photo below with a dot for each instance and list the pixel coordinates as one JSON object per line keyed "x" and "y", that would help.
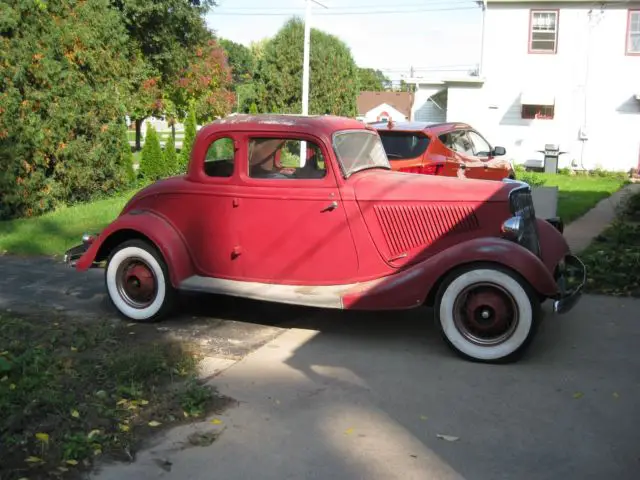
{"x": 138, "y": 283}
{"x": 487, "y": 314}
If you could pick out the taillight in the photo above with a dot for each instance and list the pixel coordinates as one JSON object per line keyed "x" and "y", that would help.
{"x": 430, "y": 169}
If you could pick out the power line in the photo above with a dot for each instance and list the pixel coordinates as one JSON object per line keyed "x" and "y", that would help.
{"x": 379, "y": 12}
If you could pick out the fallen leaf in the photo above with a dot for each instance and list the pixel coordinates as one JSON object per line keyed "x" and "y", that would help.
{"x": 615, "y": 395}
{"x": 74, "y": 349}
{"x": 73, "y": 463}
{"x": 124, "y": 428}
{"x": 216, "y": 421}
{"x": 144, "y": 402}
{"x": 92, "y": 434}
{"x": 97, "y": 452}
{"x": 33, "y": 459}
{"x": 4, "y": 379}
{"x": 422, "y": 417}
{"x": 62, "y": 469}
{"x": 154, "y": 423}
{"x": 75, "y": 414}
{"x": 348, "y": 431}
{"x": 12, "y": 386}
{"x": 578, "y": 395}
{"x": 43, "y": 437}
{"x": 122, "y": 401}
{"x": 448, "y": 438}
{"x": 414, "y": 456}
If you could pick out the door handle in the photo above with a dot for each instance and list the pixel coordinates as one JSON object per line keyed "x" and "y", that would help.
{"x": 332, "y": 206}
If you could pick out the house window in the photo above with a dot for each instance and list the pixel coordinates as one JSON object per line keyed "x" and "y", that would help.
{"x": 543, "y": 112}
{"x": 543, "y": 34}
{"x": 633, "y": 33}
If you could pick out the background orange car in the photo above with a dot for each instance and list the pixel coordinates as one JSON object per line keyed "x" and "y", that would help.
{"x": 449, "y": 149}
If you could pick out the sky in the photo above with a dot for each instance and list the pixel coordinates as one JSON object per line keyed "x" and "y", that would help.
{"x": 387, "y": 35}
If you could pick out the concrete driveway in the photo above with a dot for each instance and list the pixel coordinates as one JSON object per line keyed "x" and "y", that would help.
{"x": 356, "y": 396}
{"x": 365, "y": 396}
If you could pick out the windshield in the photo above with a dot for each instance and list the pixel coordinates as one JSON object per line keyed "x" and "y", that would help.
{"x": 359, "y": 150}
{"x": 402, "y": 146}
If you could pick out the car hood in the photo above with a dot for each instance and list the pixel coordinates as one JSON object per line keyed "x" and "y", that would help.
{"x": 385, "y": 185}
{"x": 411, "y": 216}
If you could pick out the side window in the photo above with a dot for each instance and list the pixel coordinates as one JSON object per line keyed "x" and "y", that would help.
{"x": 286, "y": 159}
{"x": 220, "y": 158}
{"x": 461, "y": 143}
{"x": 480, "y": 146}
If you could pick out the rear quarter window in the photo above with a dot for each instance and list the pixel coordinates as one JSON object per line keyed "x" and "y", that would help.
{"x": 404, "y": 145}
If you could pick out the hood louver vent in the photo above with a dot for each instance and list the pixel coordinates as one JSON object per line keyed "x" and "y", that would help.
{"x": 409, "y": 227}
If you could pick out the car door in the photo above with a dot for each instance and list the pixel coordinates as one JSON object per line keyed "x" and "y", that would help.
{"x": 492, "y": 168}
{"x": 207, "y": 216}
{"x": 463, "y": 154}
{"x": 293, "y": 228}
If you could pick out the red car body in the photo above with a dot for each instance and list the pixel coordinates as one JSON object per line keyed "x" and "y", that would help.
{"x": 446, "y": 149}
{"x": 341, "y": 231}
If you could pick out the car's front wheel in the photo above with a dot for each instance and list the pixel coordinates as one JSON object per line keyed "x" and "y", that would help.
{"x": 138, "y": 282}
{"x": 487, "y": 314}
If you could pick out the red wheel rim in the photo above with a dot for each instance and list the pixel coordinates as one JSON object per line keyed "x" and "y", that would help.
{"x": 136, "y": 282}
{"x": 486, "y": 314}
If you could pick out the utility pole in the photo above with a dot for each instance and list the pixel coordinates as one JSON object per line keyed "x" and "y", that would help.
{"x": 483, "y": 5}
{"x": 307, "y": 47}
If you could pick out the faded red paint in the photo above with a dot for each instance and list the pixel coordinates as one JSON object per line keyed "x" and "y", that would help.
{"x": 403, "y": 232}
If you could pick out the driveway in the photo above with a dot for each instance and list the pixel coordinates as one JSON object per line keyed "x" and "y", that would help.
{"x": 357, "y": 396}
{"x": 365, "y": 396}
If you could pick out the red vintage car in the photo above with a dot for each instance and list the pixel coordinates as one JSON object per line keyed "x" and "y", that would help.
{"x": 447, "y": 149}
{"x": 307, "y": 211}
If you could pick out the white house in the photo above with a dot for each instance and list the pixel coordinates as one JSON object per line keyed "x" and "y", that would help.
{"x": 384, "y": 106}
{"x": 553, "y": 72}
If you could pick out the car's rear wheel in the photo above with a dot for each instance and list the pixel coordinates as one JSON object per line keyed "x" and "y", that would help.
{"x": 487, "y": 314}
{"x": 138, "y": 282}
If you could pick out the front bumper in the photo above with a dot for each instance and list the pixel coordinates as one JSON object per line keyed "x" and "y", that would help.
{"x": 72, "y": 255}
{"x": 571, "y": 276}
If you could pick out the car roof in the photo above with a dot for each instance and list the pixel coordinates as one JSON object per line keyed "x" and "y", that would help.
{"x": 312, "y": 124}
{"x": 432, "y": 127}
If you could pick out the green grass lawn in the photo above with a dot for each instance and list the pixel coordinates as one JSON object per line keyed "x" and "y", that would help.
{"x": 53, "y": 233}
{"x": 577, "y": 194}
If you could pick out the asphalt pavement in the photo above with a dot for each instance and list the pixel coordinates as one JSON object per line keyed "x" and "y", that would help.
{"x": 378, "y": 396}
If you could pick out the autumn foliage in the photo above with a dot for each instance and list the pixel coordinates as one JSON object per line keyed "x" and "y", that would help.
{"x": 206, "y": 83}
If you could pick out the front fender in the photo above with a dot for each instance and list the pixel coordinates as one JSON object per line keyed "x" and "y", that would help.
{"x": 411, "y": 287}
{"x": 147, "y": 225}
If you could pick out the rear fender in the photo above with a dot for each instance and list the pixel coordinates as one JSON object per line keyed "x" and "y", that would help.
{"x": 412, "y": 286}
{"x": 147, "y": 226}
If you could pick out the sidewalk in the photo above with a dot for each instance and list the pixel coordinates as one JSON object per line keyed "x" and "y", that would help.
{"x": 581, "y": 232}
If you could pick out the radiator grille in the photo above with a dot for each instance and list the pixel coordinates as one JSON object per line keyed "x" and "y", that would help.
{"x": 408, "y": 227}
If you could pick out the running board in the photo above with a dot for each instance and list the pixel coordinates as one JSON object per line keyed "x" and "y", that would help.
{"x": 323, "y": 296}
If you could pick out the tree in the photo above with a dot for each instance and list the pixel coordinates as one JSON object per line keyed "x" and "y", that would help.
{"x": 63, "y": 76}
{"x": 240, "y": 59}
{"x": 190, "y": 130}
{"x": 333, "y": 81}
{"x": 126, "y": 155}
{"x": 371, "y": 80}
{"x": 163, "y": 34}
{"x": 205, "y": 84}
{"x": 152, "y": 165}
{"x": 170, "y": 156}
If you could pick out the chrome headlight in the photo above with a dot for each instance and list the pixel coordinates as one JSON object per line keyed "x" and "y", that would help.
{"x": 513, "y": 228}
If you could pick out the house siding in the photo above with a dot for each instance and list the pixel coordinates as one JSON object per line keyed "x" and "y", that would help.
{"x": 593, "y": 80}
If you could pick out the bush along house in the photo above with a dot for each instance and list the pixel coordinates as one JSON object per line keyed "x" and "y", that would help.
{"x": 554, "y": 75}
